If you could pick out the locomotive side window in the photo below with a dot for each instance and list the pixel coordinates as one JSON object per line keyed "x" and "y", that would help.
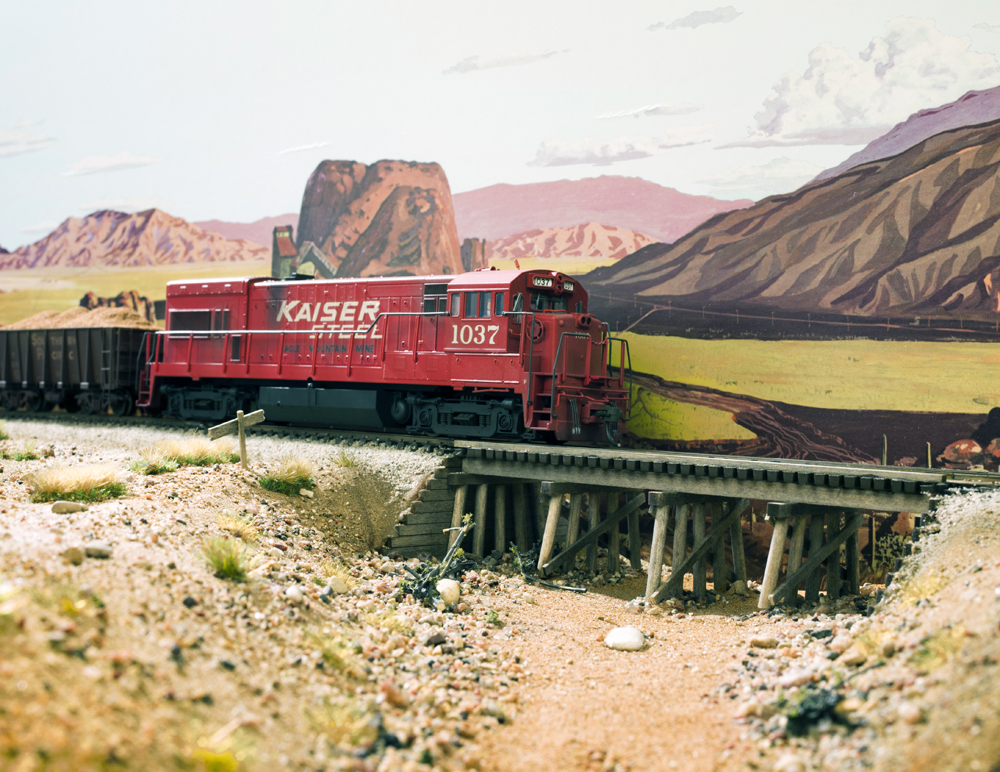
{"x": 187, "y": 320}
{"x": 477, "y": 305}
{"x": 579, "y": 306}
{"x": 498, "y": 304}
{"x": 456, "y": 304}
{"x": 518, "y": 305}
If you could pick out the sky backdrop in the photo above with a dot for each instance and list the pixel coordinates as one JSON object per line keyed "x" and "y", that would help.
{"x": 222, "y": 110}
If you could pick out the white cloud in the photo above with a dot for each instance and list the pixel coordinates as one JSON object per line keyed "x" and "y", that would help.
{"x": 987, "y": 27}
{"x": 559, "y": 152}
{"x": 649, "y": 111}
{"x": 96, "y": 164}
{"x": 473, "y": 63}
{"x": 845, "y": 100}
{"x": 126, "y": 204}
{"x": 300, "y": 148}
{"x": 722, "y": 15}
{"x": 43, "y": 228}
{"x": 778, "y": 176}
{"x": 16, "y": 141}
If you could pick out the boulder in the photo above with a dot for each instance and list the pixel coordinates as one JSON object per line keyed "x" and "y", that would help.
{"x": 963, "y": 454}
{"x": 625, "y": 639}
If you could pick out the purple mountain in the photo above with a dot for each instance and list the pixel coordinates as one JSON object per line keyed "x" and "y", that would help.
{"x": 973, "y": 108}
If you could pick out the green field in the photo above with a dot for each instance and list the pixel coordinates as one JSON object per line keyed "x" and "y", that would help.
{"x": 29, "y": 292}
{"x": 846, "y": 375}
{"x": 655, "y": 417}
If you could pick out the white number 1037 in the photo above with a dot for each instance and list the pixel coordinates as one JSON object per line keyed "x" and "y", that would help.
{"x": 468, "y": 333}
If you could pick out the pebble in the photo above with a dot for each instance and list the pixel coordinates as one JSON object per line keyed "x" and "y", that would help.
{"x": 73, "y": 555}
{"x": 294, "y": 593}
{"x": 68, "y": 507}
{"x": 625, "y": 639}
{"x": 98, "y": 549}
{"x": 740, "y": 588}
{"x": 449, "y": 590}
{"x": 337, "y": 585}
{"x": 306, "y": 492}
{"x": 841, "y": 643}
{"x": 761, "y": 642}
{"x": 853, "y": 656}
{"x": 909, "y": 712}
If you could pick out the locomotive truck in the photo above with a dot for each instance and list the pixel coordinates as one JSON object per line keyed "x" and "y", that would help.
{"x": 498, "y": 354}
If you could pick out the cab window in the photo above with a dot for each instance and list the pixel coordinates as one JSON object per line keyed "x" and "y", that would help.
{"x": 498, "y": 304}
{"x": 477, "y": 305}
{"x": 456, "y": 304}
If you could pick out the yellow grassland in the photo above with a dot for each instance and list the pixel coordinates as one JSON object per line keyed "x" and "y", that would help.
{"x": 569, "y": 265}
{"x": 846, "y": 375}
{"x": 30, "y": 292}
{"x": 655, "y": 417}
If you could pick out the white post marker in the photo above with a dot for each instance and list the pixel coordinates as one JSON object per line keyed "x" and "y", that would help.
{"x": 238, "y": 426}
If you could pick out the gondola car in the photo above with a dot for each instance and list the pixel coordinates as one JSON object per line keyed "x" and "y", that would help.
{"x": 486, "y": 354}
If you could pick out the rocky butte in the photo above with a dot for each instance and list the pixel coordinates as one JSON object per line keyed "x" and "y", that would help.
{"x": 917, "y": 233}
{"x": 111, "y": 239}
{"x": 387, "y": 218}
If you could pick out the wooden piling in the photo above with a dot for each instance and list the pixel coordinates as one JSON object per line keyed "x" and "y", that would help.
{"x": 500, "y": 518}
{"x": 520, "y": 519}
{"x": 700, "y": 567}
{"x": 739, "y": 556}
{"x": 634, "y": 541}
{"x": 551, "y": 526}
{"x": 614, "y": 537}
{"x": 832, "y": 562}
{"x": 852, "y": 559}
{"x": 795, "y": 550}
{"x": 593, "y": 520}
{"x": 774, "y": 557}
{"x": 457, "y": 513}
{"x": 655, "y": 573}
{"x": 573, "y": 529}
{"x": 680, "y": 536}
{"x": 720, "y": 573}
{"x": 479, "y": 532}
{"x": 815, "y": 545}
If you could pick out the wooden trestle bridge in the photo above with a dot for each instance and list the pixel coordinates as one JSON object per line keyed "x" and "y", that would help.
{"x": 524, "y": 493}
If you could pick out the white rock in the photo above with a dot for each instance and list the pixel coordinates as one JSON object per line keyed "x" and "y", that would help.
{"x": 337, "y": 584}
{"x": 449, "y": 590}
{"x": 841, "y": 643}
{"x": 795, "y": 677}
{"x": 98, "y": 549}
{"x": 294, "y": 593}
{"x": 68, "y": 507}
{"x": 305, "y": 492}
{"x": 625, "y": 639}
{"x": 910, "y": 712}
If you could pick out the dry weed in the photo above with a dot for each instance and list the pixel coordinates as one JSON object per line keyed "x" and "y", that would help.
{"x": 198, "y": 451}
{"x": 82, "y": 482}
{"x": 331, "y": 568}
{"x": 343, "y": 726}
{"x": 238, "y": 526}
{"x": 345, "y": 460}
{"x": 228, "y": 558}
{"x": 153, "y": 460}
{"x": 27, "y": 452}
{"x": 290, "y": 475}
{"x": 3, "y": 431}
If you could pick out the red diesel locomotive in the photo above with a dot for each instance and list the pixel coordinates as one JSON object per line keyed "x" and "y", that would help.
{"x": 498, "y": 354}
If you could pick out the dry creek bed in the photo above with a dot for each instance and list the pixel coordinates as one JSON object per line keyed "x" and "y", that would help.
{"x": 146, "y": 660}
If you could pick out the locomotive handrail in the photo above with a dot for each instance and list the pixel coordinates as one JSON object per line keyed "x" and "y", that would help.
{"x": 531, "y": 347}
{"x": 625, "y": 352}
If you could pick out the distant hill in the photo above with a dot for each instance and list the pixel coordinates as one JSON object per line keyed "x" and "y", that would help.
{"x": 118, "y": 240}
{"x": 256, "y": 232}
{"x": 917, "y": 233}
{"x": 588, "y": 240}
{"x": 632, "y": 203}
{"x": 973, "y": 108}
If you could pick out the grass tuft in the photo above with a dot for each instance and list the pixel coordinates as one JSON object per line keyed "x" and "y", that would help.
{"x": 83, "y": 482}
{"x": 195, "y": 451}
{"x": 290, "y": 474}
{"x": 345, "y": 460}
{"x": 344, "y": 727}
{"x": 153, "y": 460}
{"x": 237, "y": 525}
{"x": 331, "y": 568}
{"x": 27, "y": 452}
{"x": 3, "y": 431}
{"x": 228, "y": 558}
{"x": 375, "y": 503}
